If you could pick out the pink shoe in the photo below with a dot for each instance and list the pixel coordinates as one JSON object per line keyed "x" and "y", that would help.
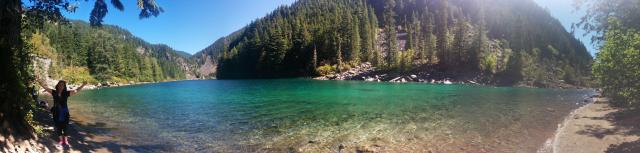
{"x": 60, "y": 144}
{"x": 66, "y": 141}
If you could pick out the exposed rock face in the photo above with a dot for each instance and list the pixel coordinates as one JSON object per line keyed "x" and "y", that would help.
{"x": 41, "y": 66}
{"x": 140, "y": 50}
{"x": 207, "y": 68}
{"x": 41, "y": 71}
{"x": 185, "y": 64}
{"x": 187, "y": 67}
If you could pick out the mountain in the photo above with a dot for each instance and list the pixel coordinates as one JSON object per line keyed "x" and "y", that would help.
{"x": 78, "y": 52}
{"x": 502, "y": 42}
{"x": 207, "y": 59}
{"x": 184, "y": 54}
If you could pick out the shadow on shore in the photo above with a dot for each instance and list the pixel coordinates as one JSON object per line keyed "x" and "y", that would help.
{"x": 629, "y": 121}
{"x": 626, "y": 122}
{"x": 89, "y": 137}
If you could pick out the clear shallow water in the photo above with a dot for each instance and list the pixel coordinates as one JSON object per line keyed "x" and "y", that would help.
{"x": 318, "y": 116}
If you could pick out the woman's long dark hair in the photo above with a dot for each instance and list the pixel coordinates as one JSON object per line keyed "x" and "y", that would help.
{"x": 64, "y": 87}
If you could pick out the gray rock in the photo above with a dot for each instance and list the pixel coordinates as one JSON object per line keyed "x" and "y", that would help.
{"x": 370, "y": 79}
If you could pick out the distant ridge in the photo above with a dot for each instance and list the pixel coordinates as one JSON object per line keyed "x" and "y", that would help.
{"x": 500, "y": 42}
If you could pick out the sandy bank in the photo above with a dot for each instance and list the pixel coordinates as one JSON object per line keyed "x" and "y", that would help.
{"x": 598, "y": 127}
{"x": 85, "y": 135}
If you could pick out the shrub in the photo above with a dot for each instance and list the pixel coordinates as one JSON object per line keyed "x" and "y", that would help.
{"x": 326, "y": 69}
{"x": 617, "y": 65}
{"x": 41, "y": 46}
{"x": 77, "y": 75}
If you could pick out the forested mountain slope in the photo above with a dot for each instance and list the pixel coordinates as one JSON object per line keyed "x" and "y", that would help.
{"x": 501, "y": 41}
{"x": 207, "y": 59}
{"x": 78, "y": 52}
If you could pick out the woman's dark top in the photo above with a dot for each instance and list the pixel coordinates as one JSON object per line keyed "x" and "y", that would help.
{"x": 60, "y": 110}
{"x": 60, "y": 100}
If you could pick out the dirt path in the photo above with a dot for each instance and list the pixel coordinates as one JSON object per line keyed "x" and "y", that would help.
{"x": 598, "y": 127}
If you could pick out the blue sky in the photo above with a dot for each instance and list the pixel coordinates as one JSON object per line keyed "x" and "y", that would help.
{"x": 186, "y": 25}
{"x": 564, "y": 11}
{"x": 191, "y": 25}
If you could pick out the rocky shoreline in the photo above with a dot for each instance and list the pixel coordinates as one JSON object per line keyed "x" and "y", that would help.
{"x": 369, "y": 73}
{"x": 431, "y": 75}
{"x": 52, "y": 83}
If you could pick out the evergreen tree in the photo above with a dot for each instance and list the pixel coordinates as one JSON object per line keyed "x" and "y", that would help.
{"x": 355, "y": 40}
{"x": 391, "y": 44}
{"x": 442, "y": 32}
{"x": 338, "y": 44}
{"x": 451, "y": 36}
{"x": 459, "y": 40}
{"x": 374, "y": 53}
{"x": 481, "y": 39}
{"x": 430, "y": 42}
{"x": 110, "y": 53}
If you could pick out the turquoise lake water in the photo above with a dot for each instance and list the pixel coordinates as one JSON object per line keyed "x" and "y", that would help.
{"x": 306, "y": 115}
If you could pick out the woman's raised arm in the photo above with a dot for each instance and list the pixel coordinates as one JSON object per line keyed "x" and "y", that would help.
{"x": 44, "y": 85}
{"x": 73, "y": 92}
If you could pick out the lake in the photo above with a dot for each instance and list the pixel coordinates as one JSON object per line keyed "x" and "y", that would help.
{"x": 305, "y": 115}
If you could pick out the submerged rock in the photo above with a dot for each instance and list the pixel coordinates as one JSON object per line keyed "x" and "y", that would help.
{"x": 365, "y": 149}
{"x": 551, "y": 110}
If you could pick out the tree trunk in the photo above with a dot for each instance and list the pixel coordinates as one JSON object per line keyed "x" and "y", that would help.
{"x": 13, "y": 90}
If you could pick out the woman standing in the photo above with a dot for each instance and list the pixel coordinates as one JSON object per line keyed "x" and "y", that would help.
{"x": 60, "y": 110}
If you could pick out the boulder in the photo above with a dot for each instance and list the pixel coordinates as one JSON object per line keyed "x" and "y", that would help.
{"x": 394, "y": 79}
{"x": 447, "y": 82}
{"x": 370, "y": 79}
{"x": 331, "y": 76}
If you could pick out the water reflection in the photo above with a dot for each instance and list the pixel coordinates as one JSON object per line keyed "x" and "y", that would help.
{"x": 319, "y": 116}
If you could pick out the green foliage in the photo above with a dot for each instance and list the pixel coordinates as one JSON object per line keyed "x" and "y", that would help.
{"x": 496, "y": 59}
{"x": 118, "y": 80}
{"x": 42, "y": 46}
{"x": 405, "y": 60}
{"x": 531, "y": 70}
{"x": 291, "y": 40}
{"x": 458, "y": 36}
{"x": 488, "y": 62}
{"x": 16, "y": 56}
{"x": 553, "y": 50}
{"x": 596, "y": 21}
{"x": 615, "y": 23}
{"x": 78, "y": 75}
{"x": 569, "y": 76}
{"x": 617, "y": 65}
{"x": 390, "y": 37}
{"x": 326, "y": 69}
{"x": 109, "y": 53}
{"x": 504, "y": 59}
